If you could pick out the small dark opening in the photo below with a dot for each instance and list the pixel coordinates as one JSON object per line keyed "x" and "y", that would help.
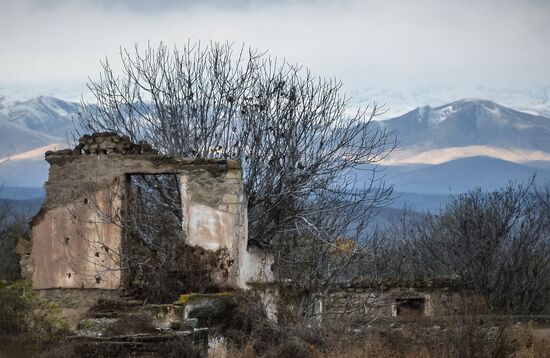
{"x": 410, "y": 306}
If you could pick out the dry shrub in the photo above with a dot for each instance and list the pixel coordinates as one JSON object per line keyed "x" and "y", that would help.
{"x": 249, "y": 333}
{"x": 459, "y": 339}
{"x": 160, "y": 265}
{"x": 373, "y": 345}
{"x": 161, "y": 277}
{"x": 463, "y": 336}
{"x": 294, "y": 348}
{"x": 174, "y": 348}
{"x": 246, "y": 351}
{"x": 520, "y": 341}
{"x": 242, "y": 320}
{"x": 103, "y": 305}
{"x": 161, "y": 272}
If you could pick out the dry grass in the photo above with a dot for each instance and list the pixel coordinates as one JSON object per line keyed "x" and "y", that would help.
{"x": 509, "y": 341}
{"x": 461, "y": 338}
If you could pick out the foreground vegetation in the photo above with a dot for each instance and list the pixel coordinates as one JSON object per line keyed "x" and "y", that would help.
{"x": 506, "y": 232}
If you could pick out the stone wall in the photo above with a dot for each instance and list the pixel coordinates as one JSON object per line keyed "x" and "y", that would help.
{"x": 77, "y": 235}
{"x": 396, "y": 299}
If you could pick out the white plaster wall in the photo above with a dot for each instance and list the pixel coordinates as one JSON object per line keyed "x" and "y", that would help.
{"x": 217, "y": 220}
{"x": 256, "y": 267}
{"x": 210, "y": 228}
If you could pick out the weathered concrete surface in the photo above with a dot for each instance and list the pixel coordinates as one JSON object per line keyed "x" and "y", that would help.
{"x": 77, "y": 235}
{"x": 74, "y": 247}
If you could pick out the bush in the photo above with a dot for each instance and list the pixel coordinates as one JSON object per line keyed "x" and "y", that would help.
{"x": 12, "y": 227}
{"x": 22, "y": 312}
{"x": 12, "y": 310}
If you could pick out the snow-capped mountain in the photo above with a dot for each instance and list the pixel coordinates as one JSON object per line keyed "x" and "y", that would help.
{"x": 27, "y": 130}
{"x": 398, "y": 100}
{"x": 467, "y": 128}
{"x": 463, "y": 145}
{"x": 48, "y": 115}
{"x": 15, "y": 139}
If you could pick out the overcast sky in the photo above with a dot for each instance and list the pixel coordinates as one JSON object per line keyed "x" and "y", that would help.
{"x": 57, "y": 44}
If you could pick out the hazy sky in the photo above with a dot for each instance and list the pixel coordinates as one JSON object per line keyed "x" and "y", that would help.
{"x": 57, "y": 44}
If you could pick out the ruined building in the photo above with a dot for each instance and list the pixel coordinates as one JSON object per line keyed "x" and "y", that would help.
{"x": 78, "y": 235}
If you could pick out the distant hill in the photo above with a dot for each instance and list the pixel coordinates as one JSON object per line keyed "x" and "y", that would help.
{"x": 15, "y": 139}
{"x": 460, "y": 175}
{"x": 420, "y": 202}
{"x": 21, "y": 192}
{"x": 47, "y": 115}
{"x": 25, "y": 170}
{"x": 27, "y": 207}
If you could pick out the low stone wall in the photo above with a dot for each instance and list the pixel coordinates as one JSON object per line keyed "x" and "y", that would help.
{"x": 393, "y": 303}
{"x": 391, "y": 298}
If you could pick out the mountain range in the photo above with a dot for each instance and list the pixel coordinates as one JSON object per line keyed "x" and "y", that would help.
{"x": 442, "y": 150}
{"x": 462, "y": 145}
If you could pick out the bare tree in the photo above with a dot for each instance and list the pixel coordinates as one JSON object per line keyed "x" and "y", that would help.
{"x": 496, "y": 244}
{"x": 300, "y": 148}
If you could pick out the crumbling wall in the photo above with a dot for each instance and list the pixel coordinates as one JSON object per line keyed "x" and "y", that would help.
{"x": 214, "y": 212}
{"x": 77, "y": 235}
